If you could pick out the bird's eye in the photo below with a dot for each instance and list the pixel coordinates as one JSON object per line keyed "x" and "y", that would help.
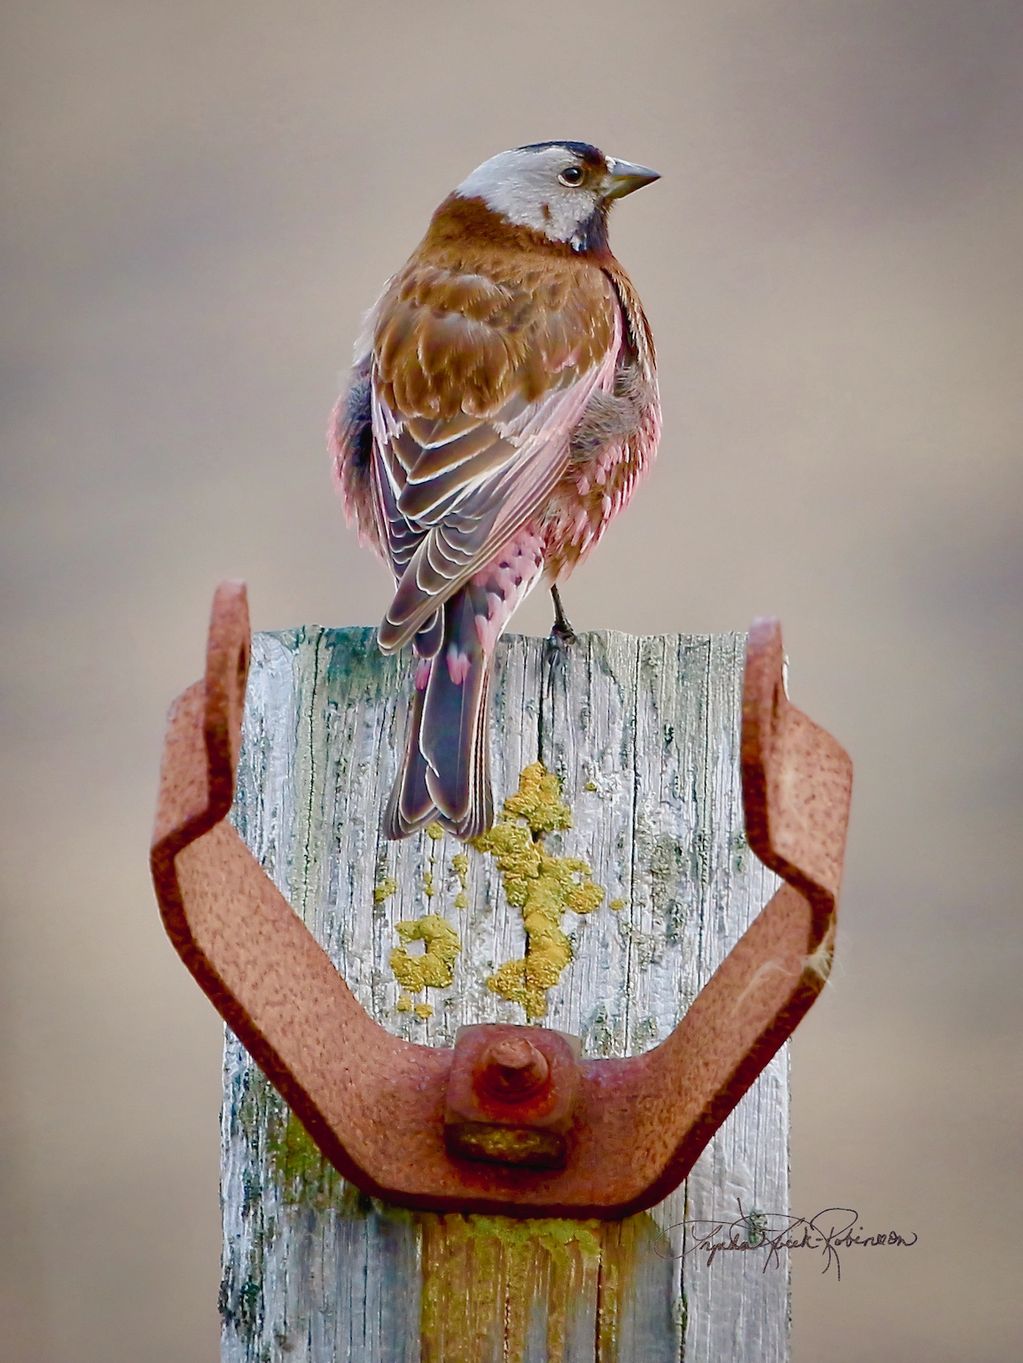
{"x": 571, "y": 175}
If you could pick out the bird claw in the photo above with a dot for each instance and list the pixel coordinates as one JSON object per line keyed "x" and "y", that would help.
{"x": 562, "y": 636}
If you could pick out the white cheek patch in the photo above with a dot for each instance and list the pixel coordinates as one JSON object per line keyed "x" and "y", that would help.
{"x": 523, "y": 187}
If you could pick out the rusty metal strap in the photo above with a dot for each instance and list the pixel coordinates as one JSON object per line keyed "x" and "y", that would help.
{"x": 403, "y": 1121}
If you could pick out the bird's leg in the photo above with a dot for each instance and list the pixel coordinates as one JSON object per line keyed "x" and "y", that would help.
{"x": 562, "y": 632}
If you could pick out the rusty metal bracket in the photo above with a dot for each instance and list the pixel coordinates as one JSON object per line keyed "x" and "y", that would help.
{"x": 495, "y": 1125}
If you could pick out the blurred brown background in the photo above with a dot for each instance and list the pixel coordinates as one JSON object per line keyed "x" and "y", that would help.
{"x": 200, "y": 201}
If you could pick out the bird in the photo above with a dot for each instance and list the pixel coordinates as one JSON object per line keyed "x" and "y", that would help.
{"x": 501, "y": 409}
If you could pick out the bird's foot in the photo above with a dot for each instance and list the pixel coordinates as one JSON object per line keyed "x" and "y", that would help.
{"x": 562, "y": 633}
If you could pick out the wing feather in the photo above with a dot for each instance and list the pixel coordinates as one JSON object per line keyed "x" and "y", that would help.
{"x": 477, "y": 383}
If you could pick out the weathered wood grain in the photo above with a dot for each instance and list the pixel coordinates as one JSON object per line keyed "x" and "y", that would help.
{"x": 644, "y": 736}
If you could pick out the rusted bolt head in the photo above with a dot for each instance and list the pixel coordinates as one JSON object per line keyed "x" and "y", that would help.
{"x": 511, "y": 1095}
{"x": 512, "y": 1067}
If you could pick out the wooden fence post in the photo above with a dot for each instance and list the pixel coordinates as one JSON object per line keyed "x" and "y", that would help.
{"x": 644, "y": 736}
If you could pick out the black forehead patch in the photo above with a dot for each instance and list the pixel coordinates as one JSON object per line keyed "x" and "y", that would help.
{"x": 588, "y": 154}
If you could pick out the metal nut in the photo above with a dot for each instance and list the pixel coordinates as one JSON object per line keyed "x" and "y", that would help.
{"x": 511, "y": 1095}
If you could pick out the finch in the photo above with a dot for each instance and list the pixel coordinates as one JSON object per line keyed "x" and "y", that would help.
{"x": 502, "y": 407}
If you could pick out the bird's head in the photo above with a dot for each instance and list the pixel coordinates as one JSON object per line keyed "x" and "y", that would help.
{"x": 560, "y": 189}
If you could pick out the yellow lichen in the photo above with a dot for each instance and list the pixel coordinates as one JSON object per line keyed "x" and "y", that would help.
{"x": 517, "y": 856}
{"x": 434, "y": 969}
{"x": 423, "y": 1010}
{"x": 404, "y": 1004}
{"x": 435, "y": 831}
{"x": 384, "y": 889}
{"x": 542, "y": 885}
{"x": 538, "y": 801}
{"x": 486, "y": 1277}
{"x": 550, "y": 1233}
{"x": 616, "y": 904}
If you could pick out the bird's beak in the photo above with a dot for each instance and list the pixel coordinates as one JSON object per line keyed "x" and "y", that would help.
{"x": 623, "y": 177}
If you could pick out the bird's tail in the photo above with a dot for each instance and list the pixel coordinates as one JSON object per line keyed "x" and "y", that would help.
{"x": 445, "y": 771}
